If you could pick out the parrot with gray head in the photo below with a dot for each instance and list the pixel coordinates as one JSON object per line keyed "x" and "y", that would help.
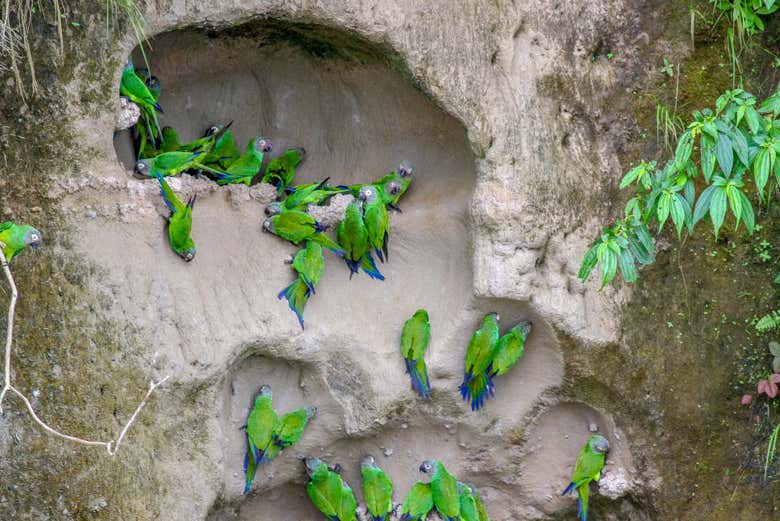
{"x": 259, "y": 433}
{"x": 15, "y": 238}
{"x": 588, "y": 468}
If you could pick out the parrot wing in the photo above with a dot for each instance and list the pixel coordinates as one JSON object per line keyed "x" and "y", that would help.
{"x": 297, "y": 295}
{"x": 418, "y": 502}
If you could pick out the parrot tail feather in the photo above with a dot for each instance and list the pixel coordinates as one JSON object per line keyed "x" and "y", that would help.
{"x": 354, "y": 266}
{"x": 582, "y": 502}
{"x": 406, "y": 517}
{"x": 158, "y": 108}
{"x": 419, "y": 375}
{"x": 384, "y": 247}
{"x": 477, "y": 390}
{"x": 328, "y": 243}
{"x": 295, "y": 300}
{"x": 379, "y": 254}
{"x": 571, "y": 487}
{"x": 369, "y": 267}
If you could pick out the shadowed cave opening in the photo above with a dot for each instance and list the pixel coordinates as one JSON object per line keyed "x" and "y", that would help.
{"x": 349, "y": 104}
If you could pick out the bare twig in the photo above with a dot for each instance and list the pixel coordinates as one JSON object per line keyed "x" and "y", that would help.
{"x": 112, "y": 446}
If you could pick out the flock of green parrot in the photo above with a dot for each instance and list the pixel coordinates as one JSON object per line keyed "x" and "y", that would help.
{"x": 452, "y": 499}
{"x": 362, "y": 233}
{"x": 489, "y": 356}
{"x": 363, "y": 229}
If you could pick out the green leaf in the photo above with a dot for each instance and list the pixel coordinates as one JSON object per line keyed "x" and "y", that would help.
{"x": 711, "y": 130}
{"x": 739, "y": 142}
{"x": 724, "y": 153}
{"x": 732, "y": 194}
{"x": 747, "y": 211}
{"x": 644, "y": 236}
{"x": 718, "y": 208}
{"x": 627, "y": 266}
{"x": 761, "y": 170}
{"x": 662, "y": 212}
{"x": 678, "y": 214}
{"x": 632, "y": 175}
{"x": 740, "y": 114}
{"x": 771, "y": 104}
{"x": 588, "y": 262}
{"x": 703, "y": 204}
{"x": 721, "y": 102}
{"x": 707, "y": 145}
{"x": 754, "y": 120}
{"x": 684, "y": 147}
{"x": 608, "y": 266}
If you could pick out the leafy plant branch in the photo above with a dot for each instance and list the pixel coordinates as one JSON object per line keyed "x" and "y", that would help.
{"x": 738, "y": 146}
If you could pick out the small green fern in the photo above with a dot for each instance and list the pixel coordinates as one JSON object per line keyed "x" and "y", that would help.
{"x": 769, "y": 321}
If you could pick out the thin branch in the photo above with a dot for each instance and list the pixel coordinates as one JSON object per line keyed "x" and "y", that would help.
{"x": 112, "y": 446}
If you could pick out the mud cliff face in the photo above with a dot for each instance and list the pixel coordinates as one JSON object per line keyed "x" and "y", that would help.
{"x": 503, "y": 110}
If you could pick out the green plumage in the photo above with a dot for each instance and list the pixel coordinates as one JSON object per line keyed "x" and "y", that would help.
{"x": 168, "y": 164}
{"x": 170, "y": 140}
{"x": 133, "y": 87}
{"x": 376, "y": 219}
{"x": 246, "y": 167}
{"x": 324, "y": 488}
{"x": 418, "y": 502}
{"x": 444, "y": 488}
{"x": 479, "y": 354}
{"x": 309, "y": 264}
{"x": 301, "y": 197}
{"x": 481, "y": 509}
{"x": 348, "y": 508}
{"x": 288, "y": 431}
{"x": 259, "y": 433}
{"x": 280, "y": 172}
{"x": 17, "y": 237}
{"x": 296, "y": 226}
{"x": 179, "y": 222}
{"x": 468, "y": 506}
{"x": 377, "y": 490}
{"x": 509, "y": 349}
{"x": 352, "y": 236}
{"x": 415, "y": 337}
{"x": 225, "y": 151}
{"x": 588, "y": 468}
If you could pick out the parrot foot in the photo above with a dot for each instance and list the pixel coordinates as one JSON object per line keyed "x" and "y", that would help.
{"x": 395, "y": 207}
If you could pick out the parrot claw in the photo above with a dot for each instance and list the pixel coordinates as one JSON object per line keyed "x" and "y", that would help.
{"x": 395, "y": 207}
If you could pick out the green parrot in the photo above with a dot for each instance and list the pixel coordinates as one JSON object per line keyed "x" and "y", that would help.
{"x": 288, "y": 431}
{"x": 376, "y": 219}
{"x": 415, "y": 337}
{"x": 280, "y": 172}
{"x": 259, "y": 430}
{"x": 480, "y": 353}
{"x": 325, "y": 488}
{"x": 153, "y": 84}
{"x": 224, "y": 152}
{"x": 295, "y": 226}
{"x": 468, "y": 506}
{"x": 509, "y": 349}
{"x": 481, "y": 509}
{"x": 587, "y": 469}
{"x": 179, "y": 222}
{"x": 168, "y": 164}
{"x": 391, "y": 186}
{"x": 377, "y": 489}
{"x": 134, "y": 88}
{"x": 15, "y": 238}
{"x": 352, "y": 236}
{"x": 444, "y": 488}
{"x": 418, "y": 502}
{"x": 206, "y": 142}
{"x": 246, "y": 167}
{"x": 300, "y": 197}
{"x": 309, "y": 264}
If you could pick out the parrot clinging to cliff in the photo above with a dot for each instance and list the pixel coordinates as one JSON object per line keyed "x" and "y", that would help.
{"x": 280, "y": 172}
{"x": 418, "y": 502}
{"x": 479, "y": 355}
{"x": 168, "y": 164}
{"x": 415, "y": 337}
{"x": 352, "y": 236}
{"x": 376, "y": 219}
{"x": 296, "y": 226}
{"x": 468, "y": 505}
{"x": 246, "y": 167}
{"x": 132, "y": 86}
{"x": 481, "y": 509}
{"x": 308, "y": 263}
{"x": 391, "y": 186}
{"x": 288, "y": 431}
{"x": 444, "y": 488}
{"x": 509, "y": 349}
{"x": 587, "y": 469}
{"x": 300, "y": 197}
{"x": 259, "y": 432}
{"x": 325, "y": 488}
{"x": 377, "y": 489}
{"x": 179, "y": 221}
{"x": 15, "y": 238}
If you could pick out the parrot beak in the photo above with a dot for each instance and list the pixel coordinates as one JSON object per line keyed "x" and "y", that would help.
{"x": 422, "y": 468}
